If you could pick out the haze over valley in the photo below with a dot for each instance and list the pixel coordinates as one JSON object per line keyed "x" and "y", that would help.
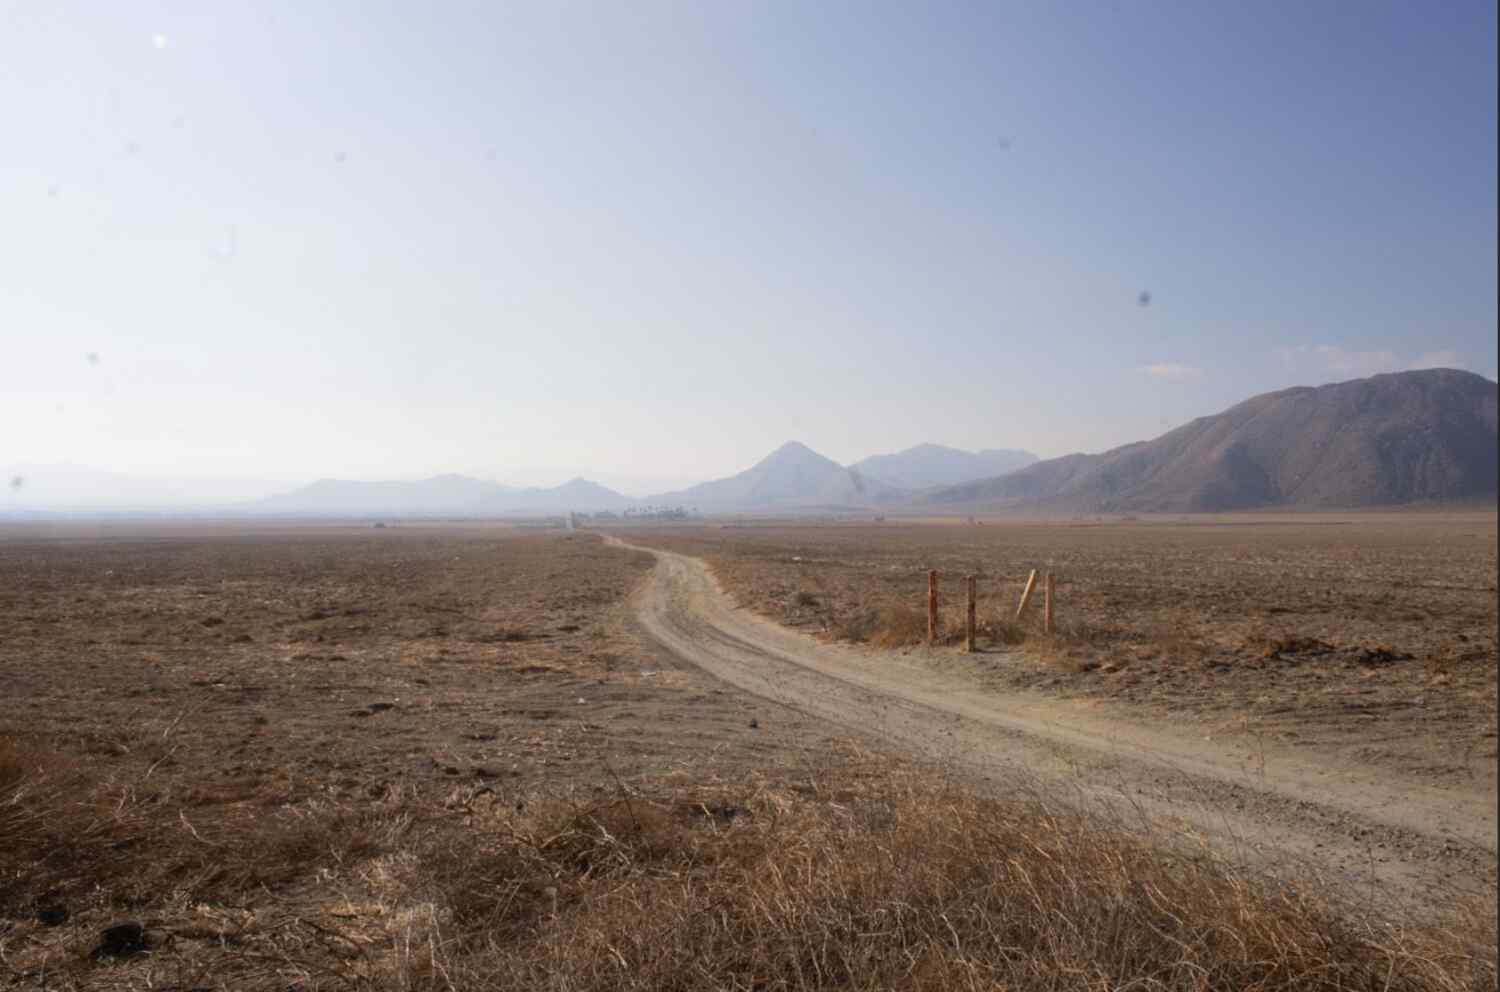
{"x": 1426, "y": 437}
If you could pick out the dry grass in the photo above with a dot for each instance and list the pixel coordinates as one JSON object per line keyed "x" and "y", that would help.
{"x": 1388, "y": 616}
{"x": 72, "y": 837}
{"x": 889, "y": 626}
{"x": 895, "y": 626}
{"x": 886, "y": 882}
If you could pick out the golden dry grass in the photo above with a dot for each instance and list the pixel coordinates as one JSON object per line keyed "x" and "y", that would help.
{"x": 890, "y": 881}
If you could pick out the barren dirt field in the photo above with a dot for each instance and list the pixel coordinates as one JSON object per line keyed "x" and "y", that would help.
{"x": 464, "y": 756}
{"x": 228, "y": 680}
{"x": 350, "y": 657}
{"x": 1371, "y": 634}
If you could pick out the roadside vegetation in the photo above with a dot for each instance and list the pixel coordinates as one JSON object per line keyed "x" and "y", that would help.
{"x": 1305, "y": 624}
{"x": 870, "y": 879}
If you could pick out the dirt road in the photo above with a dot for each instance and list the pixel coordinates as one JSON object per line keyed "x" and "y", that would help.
{"x": 1393, "y": 837}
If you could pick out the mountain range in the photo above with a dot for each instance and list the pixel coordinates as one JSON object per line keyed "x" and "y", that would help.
{"x": 928, "y": 465}
{"x": 1406, "y": 437}
{"x": 792, "y": 476}
{"x": 1409, "y": 437}
{"x": 456, "y": 495}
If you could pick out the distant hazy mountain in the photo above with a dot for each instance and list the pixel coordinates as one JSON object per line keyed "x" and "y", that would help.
{"x": 575, "y": 494}
{"x": 929, "y": 465}
{"x": 1427, "y": 436}
{"x": 791, "y": 477}
{"x": 441, "y": 495}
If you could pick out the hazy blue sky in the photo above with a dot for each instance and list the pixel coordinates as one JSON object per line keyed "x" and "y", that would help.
{"x": 656, "y": 240}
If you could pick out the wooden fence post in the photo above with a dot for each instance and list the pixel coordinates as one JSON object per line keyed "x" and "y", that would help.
{"x": 1026, "y": 593}
{"x": 1047, "y": 598}
{"x": 932, "y": 583}
{"x": 970, "y": 619}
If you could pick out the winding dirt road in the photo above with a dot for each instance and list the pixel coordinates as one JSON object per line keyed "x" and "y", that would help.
{"x": 1265, "y": 804}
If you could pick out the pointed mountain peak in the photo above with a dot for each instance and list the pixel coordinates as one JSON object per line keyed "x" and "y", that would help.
{"x": 794, "y": 452}
{"x": 792, "y": 476}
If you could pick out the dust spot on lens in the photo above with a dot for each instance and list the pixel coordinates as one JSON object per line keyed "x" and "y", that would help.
{"x": 1144, "y": 299}
{"x": 17, "y": 481}
{"x": 93, "y": 358}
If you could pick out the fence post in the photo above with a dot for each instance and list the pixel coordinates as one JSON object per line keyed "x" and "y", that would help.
{"x": 970, "y": 619}
{"x": 932, "y": 580}
{"x": 1026, "y": 593}
{"x": 1047, "y": 599}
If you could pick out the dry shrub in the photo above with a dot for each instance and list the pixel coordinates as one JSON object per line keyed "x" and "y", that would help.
{"x": 1005, "y": 630}
{"x": 75, "y": 836}
{"x": 890, "y": 881}
{"x": 921, "y": 887}
{"x": 886, "y": 626}
{"x": 900, "y": 626}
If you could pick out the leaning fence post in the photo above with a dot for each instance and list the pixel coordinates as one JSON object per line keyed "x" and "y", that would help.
{"x": 932, "y": 580}
{"x": 970, "y": 620}
{"x": 1026, "y": 593}
{"x": 1047, "y": 599}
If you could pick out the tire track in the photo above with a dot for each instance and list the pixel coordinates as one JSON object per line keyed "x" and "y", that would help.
{"x": 1405, "y": 839}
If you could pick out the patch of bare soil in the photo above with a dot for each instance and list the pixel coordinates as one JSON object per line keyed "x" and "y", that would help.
{"x": 359, "y": 659}
{"x": 1372, "y": 634}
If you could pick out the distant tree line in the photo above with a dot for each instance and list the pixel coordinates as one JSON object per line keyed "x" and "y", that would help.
{"x": 638, "y": 513}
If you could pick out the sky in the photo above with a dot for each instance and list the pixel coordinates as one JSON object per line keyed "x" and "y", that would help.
{"x": 258, "y": 244}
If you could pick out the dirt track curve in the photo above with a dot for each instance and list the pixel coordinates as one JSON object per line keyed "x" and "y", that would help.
{"x": 1401, "y": 838}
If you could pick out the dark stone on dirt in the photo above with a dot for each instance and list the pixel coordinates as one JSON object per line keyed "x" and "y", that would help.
{"x": 381, "y": 707}
{"x": 51, "y": 914}
{"x": 754, "y": 724}
{"x": 1284, "y": 646}
{"x": 212, "y": 621}
{"x": 122, "y": 940}
{"x": 1379, "y": 657}
{"x": 723, "y": 813}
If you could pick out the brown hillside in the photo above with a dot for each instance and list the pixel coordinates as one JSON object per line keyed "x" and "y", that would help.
{"x": 1407, "y": 437}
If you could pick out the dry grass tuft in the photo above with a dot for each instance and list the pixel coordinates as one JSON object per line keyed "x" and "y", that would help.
{"x": 77, "y": 839}
{"x": 889, "y": 882}
{"x": 889, "y": 626}
{"x": 920, "y": 887}
{"x": 1005, "y": 630}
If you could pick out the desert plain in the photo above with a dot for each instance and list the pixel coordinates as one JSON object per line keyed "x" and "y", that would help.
{"x": 458, "y": 754}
